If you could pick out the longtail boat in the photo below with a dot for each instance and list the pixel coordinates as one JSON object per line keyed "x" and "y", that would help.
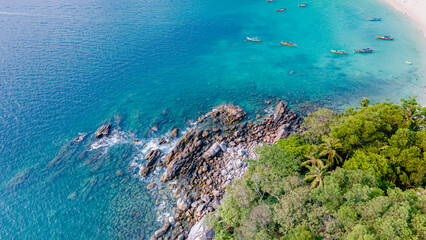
{"x": 341, "y": 52}
{"x": 374, "y": 19}
{"x": 385, "y": 37}
{"x": 281, "y": 9}
{"x": 290, "y": 44}
{"x": 408, "y": 62}
{"x": 365, "y": 50}
{"x": 253, "y": 39}
{"x": 303, "y": 4}
{"x": 269, "y": 1}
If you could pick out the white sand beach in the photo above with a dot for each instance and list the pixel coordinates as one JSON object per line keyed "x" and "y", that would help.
{"x": 414, "y": 9}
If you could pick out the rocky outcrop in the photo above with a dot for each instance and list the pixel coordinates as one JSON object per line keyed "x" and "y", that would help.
{"x": 201, "y": 232}
{"x": 280, "y": 110}
{"x": 209, "y": 157}
{"x": 151, "y": 158}
{"x": 228, "y": 114}
{"x": 186, "y": 150}
{"x": 173, "y": 169}
{"x": 103, "y": 130}
{"x": 282, "y": 132}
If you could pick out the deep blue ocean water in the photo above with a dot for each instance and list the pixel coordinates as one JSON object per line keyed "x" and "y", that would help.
{"x": 66, "y": 67}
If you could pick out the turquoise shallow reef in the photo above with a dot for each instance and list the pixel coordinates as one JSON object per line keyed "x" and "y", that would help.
{"x": 67, "y": 67}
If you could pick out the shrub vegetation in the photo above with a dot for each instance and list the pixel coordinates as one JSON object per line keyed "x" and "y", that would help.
{"x": 360, "y": 174}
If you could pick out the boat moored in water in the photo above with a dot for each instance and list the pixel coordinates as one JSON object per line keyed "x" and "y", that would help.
{"x": 290, "y": 44}
{"x": 374, "y": 19}
{"x": 253, "y": 39}
{"x": 303, "y": 4}
{"x": 341, "y": 52}
{"x": 385, "y": 37}
{"x": 269, "y": 1}
{"x": 281, "y": 9}
{"x": 365, "y": 50}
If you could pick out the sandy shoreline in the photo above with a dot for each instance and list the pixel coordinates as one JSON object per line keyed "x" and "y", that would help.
{"x": 414, "y": 9}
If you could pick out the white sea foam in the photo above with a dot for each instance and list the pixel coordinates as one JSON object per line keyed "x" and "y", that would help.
{"x": 116, "y": 137}
{"x": 165, "y": 209}
{"x": 270, "y": 110}
{"x": 146, "y": 145}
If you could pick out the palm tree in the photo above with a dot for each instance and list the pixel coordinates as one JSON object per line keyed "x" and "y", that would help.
{"x": 329, "y": 149}
{"x": 316, "y": 173}
{"x": 317, "y": 169}
{"x": 312, "y": 159}
{"x": 413, "y": 113}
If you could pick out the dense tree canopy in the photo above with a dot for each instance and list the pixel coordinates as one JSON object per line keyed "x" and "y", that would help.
{"x": 355, "y": 175}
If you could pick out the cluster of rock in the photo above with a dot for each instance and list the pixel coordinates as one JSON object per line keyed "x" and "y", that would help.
{"x": 103, "y": 130}
{"x": 209, "y": 157}
{"x": 151, "y": 158}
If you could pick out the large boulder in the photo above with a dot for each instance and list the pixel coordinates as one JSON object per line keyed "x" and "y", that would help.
{"x": 160, "y": 232}
{"x": 175, "y": 132}
{"x": 201, "y": 232}
{"x": 213, "y": 150}
{"x": 280, "y": 110}
{"x": 183, "y": 203}
{"x": 234, "y": 114}
{"x": 206, "y": 198}
{"x": 282, "y": 132}
{"x": 173, "y": 169}
{"x": 103, "y": 130}
{"x": 152, "y": 156}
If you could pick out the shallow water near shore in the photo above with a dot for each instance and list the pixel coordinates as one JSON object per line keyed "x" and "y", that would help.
{"x": 67, "y": 67}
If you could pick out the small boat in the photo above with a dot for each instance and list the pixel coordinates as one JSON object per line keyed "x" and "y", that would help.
{"x": 290, "y": 44}
{"x": 365, "y": 50}
{"x": 303, "y": 4}
{"x": 385, "y": 37}
{"x": 374, "y": 19}
{"x": 269, "y": 1}
{"x": 408, "y": 62}
{"x": 281, "y": 9}
{"x": 341, "y": 52}
{"x": 253, "y": 39}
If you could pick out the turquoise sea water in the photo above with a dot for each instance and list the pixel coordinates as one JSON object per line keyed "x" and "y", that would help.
{"x": 67, "y": 67}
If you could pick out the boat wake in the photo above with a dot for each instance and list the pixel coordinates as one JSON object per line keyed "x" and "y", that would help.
{"x": 20, "y": 14}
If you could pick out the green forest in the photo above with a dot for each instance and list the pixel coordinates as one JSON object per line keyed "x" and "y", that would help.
{"x": 359, "y": 174}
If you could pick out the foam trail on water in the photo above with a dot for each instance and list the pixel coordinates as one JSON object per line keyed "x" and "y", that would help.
{"x": 20, "y": 14}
